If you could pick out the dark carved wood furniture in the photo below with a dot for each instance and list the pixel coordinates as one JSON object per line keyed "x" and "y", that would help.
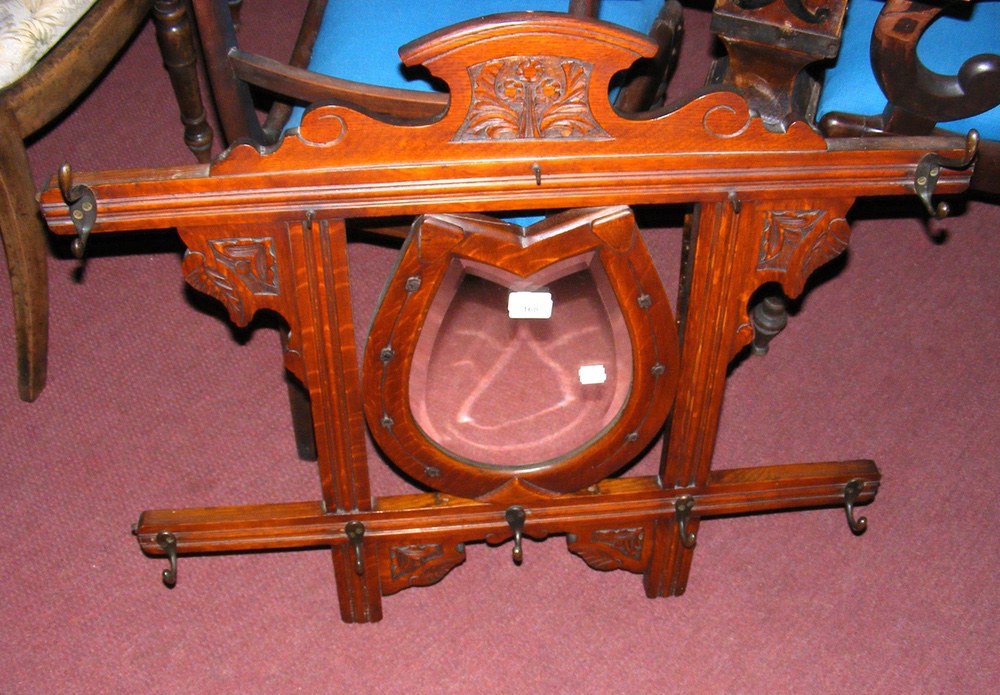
{"x": 529, "y": 128}
{"x": 768, "y": 46}
{"x": 918, "y": 98}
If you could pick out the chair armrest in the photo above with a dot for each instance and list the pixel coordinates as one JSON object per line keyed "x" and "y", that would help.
{"x": 307, "y": 86}
{"x": 914, "y": 89}
{"x": 881, "y": 83}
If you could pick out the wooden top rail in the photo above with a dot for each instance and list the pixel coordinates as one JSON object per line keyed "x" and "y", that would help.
{"x": 529, "y": 126}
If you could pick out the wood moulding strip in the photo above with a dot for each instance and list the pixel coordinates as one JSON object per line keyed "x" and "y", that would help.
{"x": 434, "y": 515}
{"x": 495, "y": 184}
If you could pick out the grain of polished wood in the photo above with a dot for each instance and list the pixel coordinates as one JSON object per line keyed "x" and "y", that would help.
{"x": 265, "y": 229}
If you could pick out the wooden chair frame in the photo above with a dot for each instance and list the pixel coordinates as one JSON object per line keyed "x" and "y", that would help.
{"x": 234, "y": 72}
{"x": 26, "y": 106}
{"x": 771, "y": 208}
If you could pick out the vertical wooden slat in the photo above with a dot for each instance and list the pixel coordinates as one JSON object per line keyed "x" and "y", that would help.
{"x": 232, "y": 96}
{"x": 331, "y": 369}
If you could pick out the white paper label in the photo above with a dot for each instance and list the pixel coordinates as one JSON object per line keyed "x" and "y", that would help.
{"x": 593, "y": 374}
{"x": 529, "y": 305}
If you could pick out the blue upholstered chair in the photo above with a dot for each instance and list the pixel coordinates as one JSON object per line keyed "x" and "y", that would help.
{"x": 348, "y": 53}
{"x": 907, "y": 67}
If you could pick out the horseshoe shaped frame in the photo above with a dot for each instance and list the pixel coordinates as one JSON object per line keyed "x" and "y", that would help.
{"x": 611, "y": 236}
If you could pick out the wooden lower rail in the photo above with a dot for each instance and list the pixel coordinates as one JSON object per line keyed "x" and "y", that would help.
{"x": 611, "y": 503}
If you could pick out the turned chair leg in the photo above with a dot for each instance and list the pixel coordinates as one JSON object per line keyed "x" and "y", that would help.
{"x": 234, "y": 11}
{"x": 302, "y": 419}
{"x": 175, "y": 36}
{"x": 24, "y": 243}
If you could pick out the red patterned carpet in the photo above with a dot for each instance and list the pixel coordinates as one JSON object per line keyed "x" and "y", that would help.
{"x": 153, "y": 401}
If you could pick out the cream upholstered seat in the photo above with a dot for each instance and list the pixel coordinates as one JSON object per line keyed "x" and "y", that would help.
{"x": 50, "y": 52}
{"x": 30, "y": 28}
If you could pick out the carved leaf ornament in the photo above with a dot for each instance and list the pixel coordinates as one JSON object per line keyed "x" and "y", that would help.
{"x": 537, "y": 97}
{"x": 611, "y": 549}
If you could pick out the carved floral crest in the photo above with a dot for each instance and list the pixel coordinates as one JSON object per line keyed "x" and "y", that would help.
{"x": 530, "y": 97}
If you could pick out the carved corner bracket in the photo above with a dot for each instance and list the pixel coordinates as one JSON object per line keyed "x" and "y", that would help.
{"x": 242, "y": 273}
{"x": 422, "y": 564}
{"x": 786, "y": 241}
{"x": 795, "y": 241}
{"x": 612, "y": 549}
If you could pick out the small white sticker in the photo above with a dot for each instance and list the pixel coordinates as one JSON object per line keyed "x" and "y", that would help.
{"x": 593, "y": 374}
{"x": 529, "y": 305}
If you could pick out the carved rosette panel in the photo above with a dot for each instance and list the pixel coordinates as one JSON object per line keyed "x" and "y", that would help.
{"x": 797, "y": 242}
{"x": 530, "y": 98}
{"x": 419, "y": 565}
{"x": 237, "y": 272}
{"x": 611, "y": 549}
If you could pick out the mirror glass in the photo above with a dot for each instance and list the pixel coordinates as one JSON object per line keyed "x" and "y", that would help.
{"x": 512, "y": 371}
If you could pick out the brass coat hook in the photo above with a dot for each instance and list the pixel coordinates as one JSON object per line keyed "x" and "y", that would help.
{"x": 682, "y": 508}
{"x": 82, "y": 205}
{"x": 929, "y": 169}
{"x": 168, "y": 542}
{"x": 515, "y": 516}
{"x": 355, "y": 531}
{"x": 851, "y": 493}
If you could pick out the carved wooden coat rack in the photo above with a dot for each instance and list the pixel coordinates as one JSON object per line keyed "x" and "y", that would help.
{"x": 529, "y": 127}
